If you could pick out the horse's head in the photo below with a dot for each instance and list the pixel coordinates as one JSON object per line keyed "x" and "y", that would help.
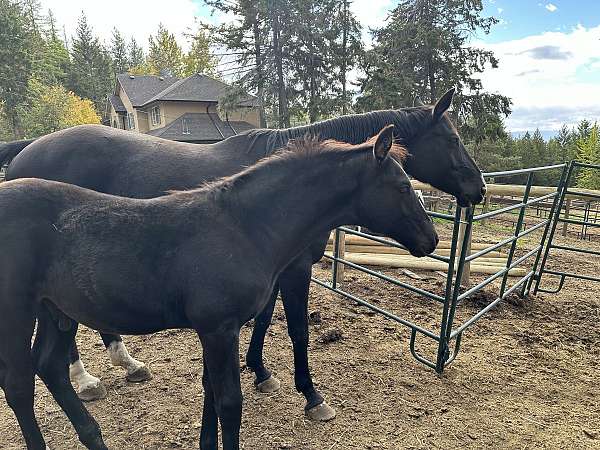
{"x": 438, "y": 157}
{"x": 386, "y": 202}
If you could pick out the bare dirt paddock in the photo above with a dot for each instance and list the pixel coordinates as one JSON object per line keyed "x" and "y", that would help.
{"x": 527, "y": 376}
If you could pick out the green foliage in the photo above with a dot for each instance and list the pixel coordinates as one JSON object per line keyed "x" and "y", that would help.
{"x": 165, "y": 55}
{"x": 16, "y": 49}
{"x": 91, "y": 74}
{"x": 199, "y": 59}
{"x": 588, "y": 151}
{"x": 53, "y": 108}
{"x": 295, "y": 54}
{"x": 118, "y": 52}
{"x": 423, "y": 50}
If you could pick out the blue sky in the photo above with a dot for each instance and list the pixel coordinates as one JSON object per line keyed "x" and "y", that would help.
{"x": 549, "y": 51}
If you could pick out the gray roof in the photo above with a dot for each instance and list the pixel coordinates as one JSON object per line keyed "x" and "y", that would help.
{"x": 197, "y": 88}
{"x": 202, "y": 127}
{"x": 141, "y": 88}
{"x": 116, "y": 103}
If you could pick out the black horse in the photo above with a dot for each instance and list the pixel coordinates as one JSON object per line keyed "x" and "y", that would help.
{"x": 121, "y": 265}
{"x": 141, "y": 166}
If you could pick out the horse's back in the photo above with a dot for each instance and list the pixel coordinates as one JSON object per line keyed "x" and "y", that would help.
{"x": 126, "y": 163}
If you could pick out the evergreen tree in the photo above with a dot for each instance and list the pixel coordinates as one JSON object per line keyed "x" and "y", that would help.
{"x": 118, "y": 52}
{"x": 199, "y": 59}
{"x": 136, "y": 56}
{"x": 165, "y": 55}
{"x": 16, "y": 42}
{"x": 91, "y": 73}
{"x": 423, "y": 50}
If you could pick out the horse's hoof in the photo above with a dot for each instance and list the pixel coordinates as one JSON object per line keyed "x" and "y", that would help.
{"x": 321, "y": 413}
{"x": 92, "y": 392}
{"x": 269, "y": 386}
{"x": 140, "y": 374}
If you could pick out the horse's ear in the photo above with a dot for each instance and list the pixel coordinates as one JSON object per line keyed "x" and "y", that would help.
{"x": 383, "y": 143}
{"x": 443, "y": 104}
{"x": 417, "y": 101}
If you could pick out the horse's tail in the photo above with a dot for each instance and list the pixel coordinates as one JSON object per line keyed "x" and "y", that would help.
{"x": 8, "y": 150}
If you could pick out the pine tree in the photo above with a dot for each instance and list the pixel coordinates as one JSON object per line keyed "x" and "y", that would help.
{"x": 91, "y": 73}
{"x": 136, "y": 56}
{"x": 424, "y": 50}
{"x": 165, "y": 55}
{"x": 118, "y": 52}
{"x": 16, "y": 43}
{"x": 199, "y": 59}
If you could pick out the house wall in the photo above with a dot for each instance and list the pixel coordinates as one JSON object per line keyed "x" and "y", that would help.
{"x": 247, "y": 114}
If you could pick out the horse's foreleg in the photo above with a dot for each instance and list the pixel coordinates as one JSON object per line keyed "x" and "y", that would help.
{"x": 119, "y": 356}
{"x": 264, "y": 380}
{"x": 50, "y": 354}
{"x": 294, "y": 285}
{"x": 209, "y": 437}
{"x": 87, "y": 386}
{"x": 221, "y": 356}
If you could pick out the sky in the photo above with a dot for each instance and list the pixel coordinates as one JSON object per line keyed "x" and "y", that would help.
{"x": 549, "y": 52}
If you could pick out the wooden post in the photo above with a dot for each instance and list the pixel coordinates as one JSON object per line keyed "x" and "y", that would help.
{"x": 486, "y": 206}
{"x": 466, "y": 275}
{"x": 567, "y": 210}
{"x": 341, "y": 245}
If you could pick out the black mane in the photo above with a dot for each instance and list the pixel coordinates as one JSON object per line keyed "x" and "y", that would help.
{"x": 407, "y": 122}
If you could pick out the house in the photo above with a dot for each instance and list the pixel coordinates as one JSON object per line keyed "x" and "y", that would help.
{"x": 178, "y": 109}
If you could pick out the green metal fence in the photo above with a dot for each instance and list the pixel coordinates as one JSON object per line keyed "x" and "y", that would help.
{"x": 449, "y": 334}
{"x": 573, "y": 167}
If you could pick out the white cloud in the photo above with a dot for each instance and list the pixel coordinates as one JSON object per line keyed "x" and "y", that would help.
{"x": 500, "y": 10}
{"x": 550, "y": 7}
{"x": 137, "y": 18}
{"x": 372, "y": 14}
{"x": 550, "y": 78}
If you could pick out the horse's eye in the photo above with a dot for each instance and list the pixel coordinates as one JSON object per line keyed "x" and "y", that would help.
{"x": 404, "y": 189}
{"x": 456, "y": 141}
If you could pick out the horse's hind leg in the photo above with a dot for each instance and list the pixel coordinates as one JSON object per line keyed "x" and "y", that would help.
{"x": 119, "y": 356}
{"x": 17, "y": 375}
{"x": 51, "y": 356}
{"x": 88, "y": 387}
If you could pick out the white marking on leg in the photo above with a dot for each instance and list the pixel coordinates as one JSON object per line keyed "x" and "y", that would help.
{"x": 82, "y": 379}
{"x": 119, "y": 356}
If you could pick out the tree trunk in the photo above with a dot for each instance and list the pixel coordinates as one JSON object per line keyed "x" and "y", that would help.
{"x": 259, "y": 72}
{"x": 283, "y": 112}
{"x": 344, "y": 64}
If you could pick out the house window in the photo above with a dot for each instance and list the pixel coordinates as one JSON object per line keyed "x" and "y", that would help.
{"x": 130, "y": 121}
{"x": 155, "y": 115}
{"x": 185, "y": 127}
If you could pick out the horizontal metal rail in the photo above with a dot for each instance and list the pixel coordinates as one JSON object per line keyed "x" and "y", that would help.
{"x": 507, "y": 173}
{"x": 384, "y": 277}
{"x": 381, "y": 311}
{"x": 477, "y": 316}
{"x": 506, "y": 209}
{"x": 572, "y": 275}
{"x": 575, "y": 249}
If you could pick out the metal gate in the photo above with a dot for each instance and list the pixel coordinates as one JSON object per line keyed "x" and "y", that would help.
{"x": 449, "y": 335}
{"x": 560, "y": 216}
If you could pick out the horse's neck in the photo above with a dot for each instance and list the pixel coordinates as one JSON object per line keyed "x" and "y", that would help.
{"x": 284, "y": 211}
{"x": 356, "y": 128}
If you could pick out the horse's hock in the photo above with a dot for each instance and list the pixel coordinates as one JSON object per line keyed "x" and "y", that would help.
{"x": 503, "y": 268}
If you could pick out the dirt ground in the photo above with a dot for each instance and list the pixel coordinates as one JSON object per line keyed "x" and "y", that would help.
{"x": 526, "y": 378}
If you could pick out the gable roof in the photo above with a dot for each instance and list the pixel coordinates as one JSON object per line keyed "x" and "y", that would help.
{"x": 145, "y": 89}
{"x": 141, "y": 88}
{"x": 202, "y": 127}
{"x": 197, "y": 88}
{"x": 116, "y": 103}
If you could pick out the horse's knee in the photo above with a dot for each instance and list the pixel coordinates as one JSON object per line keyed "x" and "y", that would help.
{"x": 229, "y": 406}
